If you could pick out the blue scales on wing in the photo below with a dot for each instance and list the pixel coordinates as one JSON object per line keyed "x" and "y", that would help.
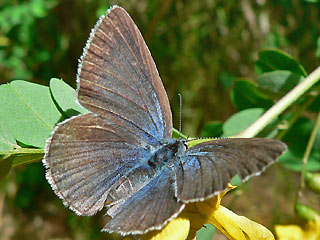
{"x": 86, "y": 159}
{"x": 147, "y": 209}
{"x": 118, "y": 78}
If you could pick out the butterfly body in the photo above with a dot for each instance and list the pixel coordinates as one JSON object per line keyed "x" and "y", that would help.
{"x": 121, "y": 155}
{"x": 164, "y": 156}
{"x": 167, "y": 154}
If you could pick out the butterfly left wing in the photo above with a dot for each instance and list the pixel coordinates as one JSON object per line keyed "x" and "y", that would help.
{"x": 207, "y": 168}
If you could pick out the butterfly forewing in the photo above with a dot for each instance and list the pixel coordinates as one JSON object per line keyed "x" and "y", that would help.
{"x": 118, "y": 78}
{"x": 207, "y": 168}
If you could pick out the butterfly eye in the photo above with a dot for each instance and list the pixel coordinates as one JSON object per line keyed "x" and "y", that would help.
{"x": 185, "y": 144}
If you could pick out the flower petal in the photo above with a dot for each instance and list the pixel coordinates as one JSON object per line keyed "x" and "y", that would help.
{"x": 295, "y": 232}
{"x": 177, "y": 228}
{"x": 237, "y": 227}
{"x": 199, "y": 212}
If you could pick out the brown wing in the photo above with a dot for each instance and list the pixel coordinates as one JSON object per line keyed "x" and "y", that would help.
{"x": 88, "y": 158}
{"x": 117, "y": 77}
{"x": 147, "y": 209}
{"x": 207, "y": 168}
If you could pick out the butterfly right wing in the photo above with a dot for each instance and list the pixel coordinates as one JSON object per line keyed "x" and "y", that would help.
{"x": 89, "y": 157}
{"x": 206, "y": 169}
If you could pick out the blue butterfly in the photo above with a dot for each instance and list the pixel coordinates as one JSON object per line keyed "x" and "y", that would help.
{"x": 121, "y": 155}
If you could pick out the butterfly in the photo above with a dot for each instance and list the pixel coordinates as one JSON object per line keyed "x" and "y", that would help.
{"x": 121, "y": 156}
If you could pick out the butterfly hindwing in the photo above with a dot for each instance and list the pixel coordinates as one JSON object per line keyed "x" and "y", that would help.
{"x": 86, "y": 157}
{"x": 147, "y": 209}
{"x": 207, "y": 168}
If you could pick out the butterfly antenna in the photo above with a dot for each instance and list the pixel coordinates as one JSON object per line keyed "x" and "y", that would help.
{"x": 199, "y": 138}
{"x": 180, "y": 100}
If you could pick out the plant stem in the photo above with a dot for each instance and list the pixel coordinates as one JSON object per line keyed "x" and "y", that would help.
{"x": 22, "y": 150}
{"x": 178, "y": 134}
{"x": 308, "y": 150}
{"x": 281, "y": 105}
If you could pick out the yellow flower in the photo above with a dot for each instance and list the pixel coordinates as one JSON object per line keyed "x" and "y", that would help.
{"x": 195, "y": 215}
{"x": 311, "y": 231}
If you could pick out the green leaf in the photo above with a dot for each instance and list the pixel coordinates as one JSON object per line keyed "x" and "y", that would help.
{"x": 297, "y": 138}
{"x": 7, "y": 141}
{"x": 314, "y": 106}
{"x": 246, "y": 95}
{"x": 240, "y": 121}
{"x": 313, "y": 181}
{"x": 22, "y": 159}
{"x": 212, "y": 129}
{"x": 236, "y": 180}
{"x": 65, "y": 97}
{"x": 318, "y": 48}
{"x": 306, "y": 211}
{"x": 271, "y": 60}
{"x": 5, "y": 166}
{"x": 206, "y": 232}
{"x": 293, "y": 161}
{"x": 298, "y": 135}
{"x": 279, "y": 81}
{"x": 28, "y": 112}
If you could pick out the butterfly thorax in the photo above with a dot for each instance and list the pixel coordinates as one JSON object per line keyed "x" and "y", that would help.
{"x": 166, "y": 153}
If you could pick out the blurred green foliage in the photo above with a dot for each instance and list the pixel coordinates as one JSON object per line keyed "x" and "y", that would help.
{"x": 200, "y": 47}
{"x": 209, "y": 51}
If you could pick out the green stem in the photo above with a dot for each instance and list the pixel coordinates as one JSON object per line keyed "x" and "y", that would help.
{"x": 281, "y": 105}
{"x": 308, "y": 150}
{"x": 178, "y": 134}
{"x": 22, "y": 150}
